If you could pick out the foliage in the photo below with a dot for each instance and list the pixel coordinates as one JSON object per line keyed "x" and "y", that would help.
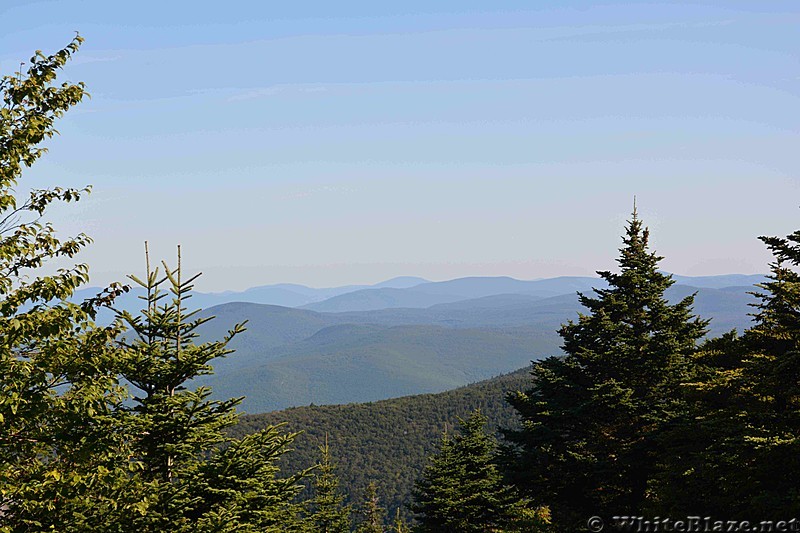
{"x": 462, "y": 490}
{"x": 701, "y": 459}
{"x": 399, "y": 524}
{"x": 373, "y": 516}
{"x": 58, "y": 384}
{"x": 385, "y": 442}
{"x": 328, "y": 514}
{"x": 589, "y": 443}
{"x": 76, "y": 452}
{"x": 771, "y": 378}
{"x": 196, "y": 478}
{"x": 743, "y": 457}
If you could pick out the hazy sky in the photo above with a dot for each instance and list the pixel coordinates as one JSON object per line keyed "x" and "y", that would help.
{"x": 339, "y": 142}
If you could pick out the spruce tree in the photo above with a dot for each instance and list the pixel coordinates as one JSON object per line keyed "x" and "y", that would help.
{"x": 747, "y": 412}
{"x": 771, "y": 375}
{"x": 703, "y": 469}
{"x": 399, "y": 524}
{"x": 328, "y": 514}
{"x": 589, "y": 442}
{"x": 193, "y": 476}
{"x": 372, "y": 514}
{"x": 462, "y": 490}
{"x": 76, "y": 452}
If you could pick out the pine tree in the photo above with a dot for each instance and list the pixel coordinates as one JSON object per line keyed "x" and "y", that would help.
{"x": 328, "y": 514}
{"x": 372, "y": 514}
{"x": 58, "y": 387}
{"x": 589, "y": 441}
{"x": 461, "y": 489}
{"x": 192, "y": 475}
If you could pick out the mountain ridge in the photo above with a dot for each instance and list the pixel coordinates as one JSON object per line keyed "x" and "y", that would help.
{"x": 297, "y": 295}
{"x": 291, "y": 356}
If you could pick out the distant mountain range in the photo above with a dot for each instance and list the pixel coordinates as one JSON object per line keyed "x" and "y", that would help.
{"x": 298, "y": 356}
{"x": 442, "y": 292}
{"x": 408, "y": 292}
{"x": 283, "y": 294}
{"x": 406, "y": 335}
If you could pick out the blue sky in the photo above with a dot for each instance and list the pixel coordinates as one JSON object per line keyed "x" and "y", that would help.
{"x": 345, "y": 142}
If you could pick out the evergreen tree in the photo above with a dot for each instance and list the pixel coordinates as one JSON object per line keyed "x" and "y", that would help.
{"x": 771, "y": 376}
{"x": 747, "y": 413}
{"x": 589, "y": 442}
{"x": 329, "y": 513}
{"x": 702, "y": 470}
{"x": 58, "y": 387}
{"x": 399, "y": 524}
{"x": 193, "y": 475}
{"x": 372, "y": 514}
{"x": 76, "y": 452}
{"x": 462, "y": 489}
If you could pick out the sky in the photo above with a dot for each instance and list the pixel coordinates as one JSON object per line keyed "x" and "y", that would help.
{"x": 329, "y": 143}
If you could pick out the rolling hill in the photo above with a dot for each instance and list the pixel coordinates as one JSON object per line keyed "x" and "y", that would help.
{"x": 424, "y": 295}
{"x": 281, "y": 294}
{"x": 384, "y": 298}
{"x": 428, "y": 294}
{"x": 291, "y": 357}
{"x": 360, "y": 363}
{"x": 405, "y": 292}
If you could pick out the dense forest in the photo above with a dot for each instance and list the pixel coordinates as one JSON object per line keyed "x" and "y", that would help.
{"x": 103, "y": 428}
{"x": 385, "y": 442}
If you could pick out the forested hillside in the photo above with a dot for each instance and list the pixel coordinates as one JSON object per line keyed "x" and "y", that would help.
{"x": 386, "y": 442}
{"x": 348, "y": 363}
{"x": 290, "y": 357}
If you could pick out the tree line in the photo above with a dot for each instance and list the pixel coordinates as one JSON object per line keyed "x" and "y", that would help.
{"x": 102, "y": 430}
{"x": 387, "y": 442}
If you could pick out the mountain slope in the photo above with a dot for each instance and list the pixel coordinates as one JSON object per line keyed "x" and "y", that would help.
{"x": 296, "y": 357}
{"x": 404, "y": 291}
{"x": 384, "y": 298}
{"x": 424, "y": 295}
{"x": 387, "y": 441}
{"x": 442, "y": 292}
{"x": 728, "y": 308}
{"x": 401, "y": 282}
{"x": 358, "y": 363}
{"x": 283, "y": 294}
{"x": 720, "y": 281}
